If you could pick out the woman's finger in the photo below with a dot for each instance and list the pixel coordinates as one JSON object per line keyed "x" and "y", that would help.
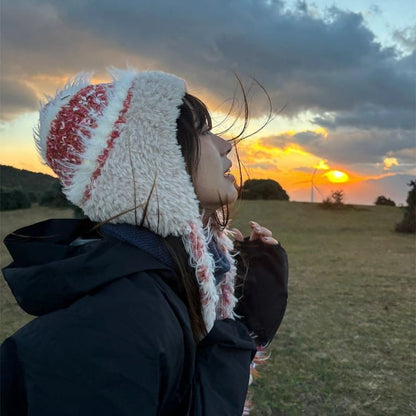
{"x": 237, "y": 234}
{"x": 258, "y": 231}
{"x": 269, "y": 240}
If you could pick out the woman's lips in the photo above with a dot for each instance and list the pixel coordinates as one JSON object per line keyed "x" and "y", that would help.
{"x": 229, "y": 176}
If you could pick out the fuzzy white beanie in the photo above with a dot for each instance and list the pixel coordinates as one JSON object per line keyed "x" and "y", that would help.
{"x": 115, "y": 151}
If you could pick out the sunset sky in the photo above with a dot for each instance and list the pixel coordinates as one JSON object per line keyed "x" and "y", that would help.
{"x": 341, "y": 77}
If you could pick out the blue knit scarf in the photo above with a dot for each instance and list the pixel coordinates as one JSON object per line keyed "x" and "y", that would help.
{"x": 155, "y": 245}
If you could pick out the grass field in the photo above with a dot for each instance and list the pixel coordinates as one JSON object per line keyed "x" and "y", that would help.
{"x": 347, "y": 345}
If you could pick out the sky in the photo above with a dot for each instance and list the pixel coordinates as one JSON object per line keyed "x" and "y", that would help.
{"x": 340, "y": 77}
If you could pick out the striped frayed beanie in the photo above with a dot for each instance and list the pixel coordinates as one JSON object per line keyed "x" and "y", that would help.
{"x": 115, "y": 151}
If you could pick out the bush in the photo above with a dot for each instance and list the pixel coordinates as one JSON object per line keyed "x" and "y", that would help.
{"x": 335, "y": 201}
{"x": 32, "y": 196}
{"x": 13, "y": 198}
{"x": 382, "y": 200}
{"x": 54, "y": 197}
{"x": 408, "y": 223}
{"x": 78, "y": 212}
{"x": 263, "y": 189}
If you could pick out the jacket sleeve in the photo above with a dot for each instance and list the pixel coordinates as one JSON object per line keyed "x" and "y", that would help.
{"x": 222, "y": 370}
{"x": 261, "y": 288}
{"x": 13, "y": 396}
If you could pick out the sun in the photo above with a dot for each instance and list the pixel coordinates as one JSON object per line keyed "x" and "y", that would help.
{"x": 336, "y": 176}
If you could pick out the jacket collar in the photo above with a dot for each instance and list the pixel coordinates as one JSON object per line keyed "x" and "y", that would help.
{"x": 49, "y": 273}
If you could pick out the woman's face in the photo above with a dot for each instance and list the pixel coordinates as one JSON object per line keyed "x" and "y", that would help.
{"x": 214, "y": 185}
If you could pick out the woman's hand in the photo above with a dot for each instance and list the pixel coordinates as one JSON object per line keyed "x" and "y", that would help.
{"x": 258, "y": 233}
{"x": 261, "y": 283}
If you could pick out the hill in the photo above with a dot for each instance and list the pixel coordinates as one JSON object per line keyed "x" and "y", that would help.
{"x": 26, "y": 180}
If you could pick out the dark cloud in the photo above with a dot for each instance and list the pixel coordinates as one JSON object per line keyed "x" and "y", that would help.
{"x": 280, "y": 141}
{"x": 351, "y": 146}
{"x": 329, "y": 64}
{"x": 15, "y": 97}
{"x": 406, "y": 155}
{"x": 367, "y": 116}
{"x": 35, "y": 40}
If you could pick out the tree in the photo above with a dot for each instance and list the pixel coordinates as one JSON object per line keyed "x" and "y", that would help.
{"x": 382, "y": 200}
{"x": 32, "y": 196}
{"x": 13, "y": 198}
{"x": 338, "y": 197}
{"x": 263, "y": 189}
{"x": 25, "y": 180}
{"x": 408, "y": 223}
{"x": 336, "y": 200}
{"x": 54, "y": 197}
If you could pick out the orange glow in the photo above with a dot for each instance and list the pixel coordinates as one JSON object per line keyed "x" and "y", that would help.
{"x": 25, "y": 158}
{"x": 322, "y": 165}
{"x": 336, "y": 176}
{"x": 276, "y": 156}
{"x": 322, "y": 131}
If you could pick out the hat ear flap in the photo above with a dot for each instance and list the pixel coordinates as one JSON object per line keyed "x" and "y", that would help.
{"x": 204, "y": 265}
{"x": 227, "y": 300}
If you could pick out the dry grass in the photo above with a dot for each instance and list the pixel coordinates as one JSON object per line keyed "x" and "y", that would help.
{"x": 11, "y": 316}
{"x": 347, "y": 342}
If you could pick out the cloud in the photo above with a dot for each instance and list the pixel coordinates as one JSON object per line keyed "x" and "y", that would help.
{"x": 346, "y": 146}
{"x": 406, "y": 155}
{"x": 368, "y": 116}
{"x": 327, "y": 63}
{"x": 15, "y": 97}
{"x": 406, "y": 38}
{"x": 375, "y": 9}
{"x": 267, "y": 166}
{"x": 389, "y": 162}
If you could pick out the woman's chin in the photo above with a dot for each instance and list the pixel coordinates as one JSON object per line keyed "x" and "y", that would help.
{"x": 234, "y": 195}
{"x": 229, "y": 193}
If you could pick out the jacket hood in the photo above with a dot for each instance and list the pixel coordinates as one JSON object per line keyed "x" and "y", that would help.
{"x": 55, "y": 262}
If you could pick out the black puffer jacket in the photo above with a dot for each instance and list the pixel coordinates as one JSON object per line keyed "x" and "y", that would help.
{"x": 112, "y": 336}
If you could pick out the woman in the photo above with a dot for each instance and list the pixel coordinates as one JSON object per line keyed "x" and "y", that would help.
{"x": 137, "y": 312}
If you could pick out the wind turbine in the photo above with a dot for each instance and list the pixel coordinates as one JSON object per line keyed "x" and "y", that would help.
{"x": 322, "y": 166}
{"x": 312, "y": 184}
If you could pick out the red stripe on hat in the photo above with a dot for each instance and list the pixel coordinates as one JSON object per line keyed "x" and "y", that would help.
{"x": 115, "y": 134}
{"x": 64, "y": 145}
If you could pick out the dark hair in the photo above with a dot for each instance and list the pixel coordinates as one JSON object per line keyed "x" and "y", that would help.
{"x": 193, "y": 118}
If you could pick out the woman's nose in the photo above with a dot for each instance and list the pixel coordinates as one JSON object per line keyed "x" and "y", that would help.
{"x": 224, "y": 146}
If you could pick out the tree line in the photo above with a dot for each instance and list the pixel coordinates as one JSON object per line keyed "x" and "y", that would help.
{"x": 253, "y": 189}
{"x": 406, "y": 225}
{"x": 17, "y": 198}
